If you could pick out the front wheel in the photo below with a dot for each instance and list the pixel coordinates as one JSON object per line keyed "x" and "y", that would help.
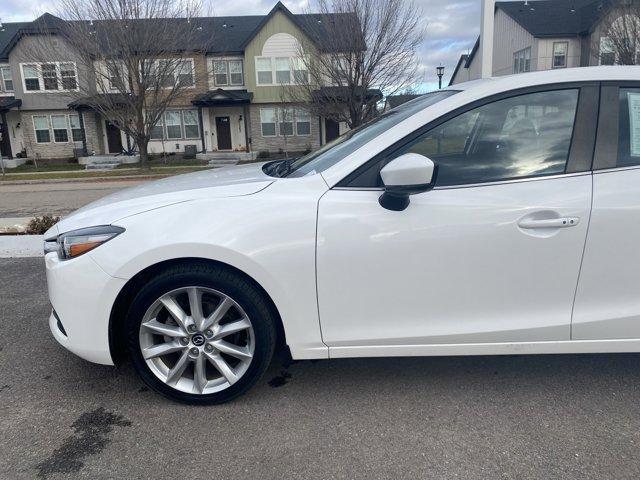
{"x": 200, "y": 334}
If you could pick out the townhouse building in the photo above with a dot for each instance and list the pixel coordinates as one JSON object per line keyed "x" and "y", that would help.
{"x": 234, "y": 102}
{"x": 538, "y": 35}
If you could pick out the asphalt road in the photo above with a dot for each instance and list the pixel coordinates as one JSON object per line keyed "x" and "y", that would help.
{"x": 545, "y": 417}
{"x": 56, "y": 198}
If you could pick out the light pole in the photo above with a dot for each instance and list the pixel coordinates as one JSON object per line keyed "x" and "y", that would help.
{"x": 440, "y": 74}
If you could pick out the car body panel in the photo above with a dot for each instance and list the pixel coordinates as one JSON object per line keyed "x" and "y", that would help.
{"x": 454, "y": 267}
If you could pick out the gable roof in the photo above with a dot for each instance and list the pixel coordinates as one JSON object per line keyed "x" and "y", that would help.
{"x": 394, "y": 100}
{"x": 230, "y": 34}
{"x": 555, "y": 18}
{"x": 461, "y": 61}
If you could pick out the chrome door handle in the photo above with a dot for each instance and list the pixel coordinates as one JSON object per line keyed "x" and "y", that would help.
{"x": 562, "y": 222}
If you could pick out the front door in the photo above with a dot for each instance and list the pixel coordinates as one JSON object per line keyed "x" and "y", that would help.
{"x": 223, "y": 131}
{"x": 5, "y": 141}
{"x": 491, "y": 255}
{"x": 332, "y": 130}
{"x": 114, "y": 139}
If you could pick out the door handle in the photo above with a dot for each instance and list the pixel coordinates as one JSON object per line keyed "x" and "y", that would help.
{"x": 562, "y": 222}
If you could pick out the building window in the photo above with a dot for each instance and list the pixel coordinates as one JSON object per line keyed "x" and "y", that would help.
{"x": 303, "y": 122}
{"x": 176, "y": 125}
{"x": 268, "y": 122}
{"x": 522, "y": 61}
{"x": 227, "y": 72}
{"x": 220, "y": 75}
{"x": 235, "y": 72}
{"x": 31, "y": 78}
{"x": 285, "y": 118}
{"x": 7, "y": 79}
{"x": 41, "y": 127}
{"x": 263, "y": 67}
{"x": 560, "y": 54}
{"x": 76, "y": 131}
{"x": 300, "y": 73}
{"x": 60, "y": 128}
{"x": 116, "y": 76}
{"x": 173, "y": 125}
{"x": 191, "y": 126}
{"x": 607, "y": 52}
{"x": 283, "y": 71}
{"x": 184, "y": 74}
{"x": 53, "y": 76}
{"x": 49, "y": 76}
{"x": 68, "y": 76}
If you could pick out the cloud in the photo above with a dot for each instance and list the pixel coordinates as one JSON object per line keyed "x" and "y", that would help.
{"x": 451, "y": 26}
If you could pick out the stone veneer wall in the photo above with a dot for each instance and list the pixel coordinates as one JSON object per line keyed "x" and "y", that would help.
{"x": 57, "y": 150}
{"x": 275, "y": 144}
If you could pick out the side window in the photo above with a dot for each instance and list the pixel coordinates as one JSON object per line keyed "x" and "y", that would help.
{"x": 629, "y": 128}
{"x": 524, "y": 136}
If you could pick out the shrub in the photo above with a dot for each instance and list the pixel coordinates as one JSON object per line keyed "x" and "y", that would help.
{"x": 39, "y": 225}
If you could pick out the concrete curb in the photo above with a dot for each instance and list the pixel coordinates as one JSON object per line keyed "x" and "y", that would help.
{"x": 21, "y": 246}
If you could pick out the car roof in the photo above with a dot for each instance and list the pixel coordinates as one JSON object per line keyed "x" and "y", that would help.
{"x": 487, "y": 86}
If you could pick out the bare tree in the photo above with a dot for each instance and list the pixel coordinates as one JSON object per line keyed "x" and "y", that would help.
{"x": 619, "y": 39}
{"x": 355, "y": 46}
{"x": 133, "y": 57}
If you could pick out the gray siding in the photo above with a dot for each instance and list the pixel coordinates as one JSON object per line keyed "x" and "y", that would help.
{"x": 509, "y": 37}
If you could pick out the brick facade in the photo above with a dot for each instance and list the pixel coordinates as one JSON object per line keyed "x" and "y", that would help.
{"x": 53, "y": 149}
{"x": 275, "y": 144}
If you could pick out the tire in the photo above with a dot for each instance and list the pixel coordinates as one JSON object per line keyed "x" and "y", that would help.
{"x": 209, "y": 281}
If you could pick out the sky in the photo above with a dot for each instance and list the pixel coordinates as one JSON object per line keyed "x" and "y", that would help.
{"x": 451, "y": 26}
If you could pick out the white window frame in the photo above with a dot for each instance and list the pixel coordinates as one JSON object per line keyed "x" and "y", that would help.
{"x": 275, "y": 116}
{"x": 553, "y": 54}
{"x": 156, "y": 62}
{"x": 308, "y": 115}
{"x": 521, "y": 57}
{"x": 59, "y": 78}
{"x": 52, "y": 137}
{"x": 183, "y": 132}
{"x": 3, "y": 80}
{"x": 280, "y": 121}
{"x": 35, "y": 130}
{"x": 293, "y": 61}
{"x": 227, "y": 66}
{"x": 184, "y": 124}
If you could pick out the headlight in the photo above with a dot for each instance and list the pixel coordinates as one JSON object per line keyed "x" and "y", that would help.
{"x": 77, "y": 242}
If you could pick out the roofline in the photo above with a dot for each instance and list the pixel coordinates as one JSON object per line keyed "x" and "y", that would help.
{"x": 463, "y": 58}
{"x": 278, "y": 7}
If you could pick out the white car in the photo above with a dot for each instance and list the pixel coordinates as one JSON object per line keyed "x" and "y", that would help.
{"x": 500, "y": 216}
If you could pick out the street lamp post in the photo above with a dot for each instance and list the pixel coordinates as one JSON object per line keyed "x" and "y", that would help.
{"x": 440, "y": 74}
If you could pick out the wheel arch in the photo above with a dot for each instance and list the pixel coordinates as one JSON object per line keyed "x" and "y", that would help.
{"x": 133, "y": 285}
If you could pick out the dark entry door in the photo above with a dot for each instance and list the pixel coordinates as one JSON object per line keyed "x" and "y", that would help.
{"x": 332, "y": 129}
{"x": 5, "y": 142}
{"x": 114, "y": 140}
{"x": 223, "y": 129}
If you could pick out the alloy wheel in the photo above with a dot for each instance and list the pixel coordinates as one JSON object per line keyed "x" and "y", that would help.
{"x": 197, "y": 340}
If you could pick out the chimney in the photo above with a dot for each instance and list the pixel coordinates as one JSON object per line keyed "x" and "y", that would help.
{"x": 486, "y": 37}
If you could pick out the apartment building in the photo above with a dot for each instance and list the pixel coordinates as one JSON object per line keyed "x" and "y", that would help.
{"x": 541, "y": 35}
{"x": 234, "y": 102}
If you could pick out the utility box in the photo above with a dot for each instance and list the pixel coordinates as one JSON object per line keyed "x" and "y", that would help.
{"x": 190, "y": 151}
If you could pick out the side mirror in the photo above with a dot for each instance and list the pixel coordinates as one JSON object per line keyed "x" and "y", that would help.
{"x": 406, "y": 175}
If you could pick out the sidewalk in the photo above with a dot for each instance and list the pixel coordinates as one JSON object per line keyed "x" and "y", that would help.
{"x": 20, "y": 246}
{"x": 13, "y": 224}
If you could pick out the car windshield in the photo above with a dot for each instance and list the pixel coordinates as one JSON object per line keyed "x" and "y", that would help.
{"x": 336, "y": 150}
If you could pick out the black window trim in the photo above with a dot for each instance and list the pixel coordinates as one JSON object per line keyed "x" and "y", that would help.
{"x": 606, "y": 149}
{"x": 581, "y": 148}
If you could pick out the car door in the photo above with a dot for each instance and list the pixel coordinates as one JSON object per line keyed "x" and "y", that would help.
{"x": 492, "y": 254}
{"x": 608, "y": 296}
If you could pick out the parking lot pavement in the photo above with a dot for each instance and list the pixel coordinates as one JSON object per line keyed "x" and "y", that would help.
{"x": 484, "y": 417}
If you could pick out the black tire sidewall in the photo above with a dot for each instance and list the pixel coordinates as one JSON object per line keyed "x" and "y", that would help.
{"x": 233, "y": 285}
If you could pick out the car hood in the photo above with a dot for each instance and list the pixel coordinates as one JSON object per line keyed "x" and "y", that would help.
{"x": 215, "y": 183}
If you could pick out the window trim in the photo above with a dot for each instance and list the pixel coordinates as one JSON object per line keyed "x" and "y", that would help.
{"x": 67, "y": 127}
{"x": 276, "y": 123}
{"x": 52, "y": 136}
{"x": 35, "y": 130}
{"x": 40, "y": 77}
{"x": 522, "y": 51}
{"x": 274, "y": 83}
{"x": 575, "y": 165}
{"x": 4, "y": 81}
{"x": 227, "y": 62}
{"x": 162, "y": 124}
{"x": 553, "y": 54}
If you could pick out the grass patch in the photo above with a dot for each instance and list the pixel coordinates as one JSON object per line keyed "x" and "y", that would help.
{"x": 44, "y": 167}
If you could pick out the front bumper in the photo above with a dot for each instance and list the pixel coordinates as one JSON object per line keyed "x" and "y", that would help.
{"x": 82, "y": 295}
